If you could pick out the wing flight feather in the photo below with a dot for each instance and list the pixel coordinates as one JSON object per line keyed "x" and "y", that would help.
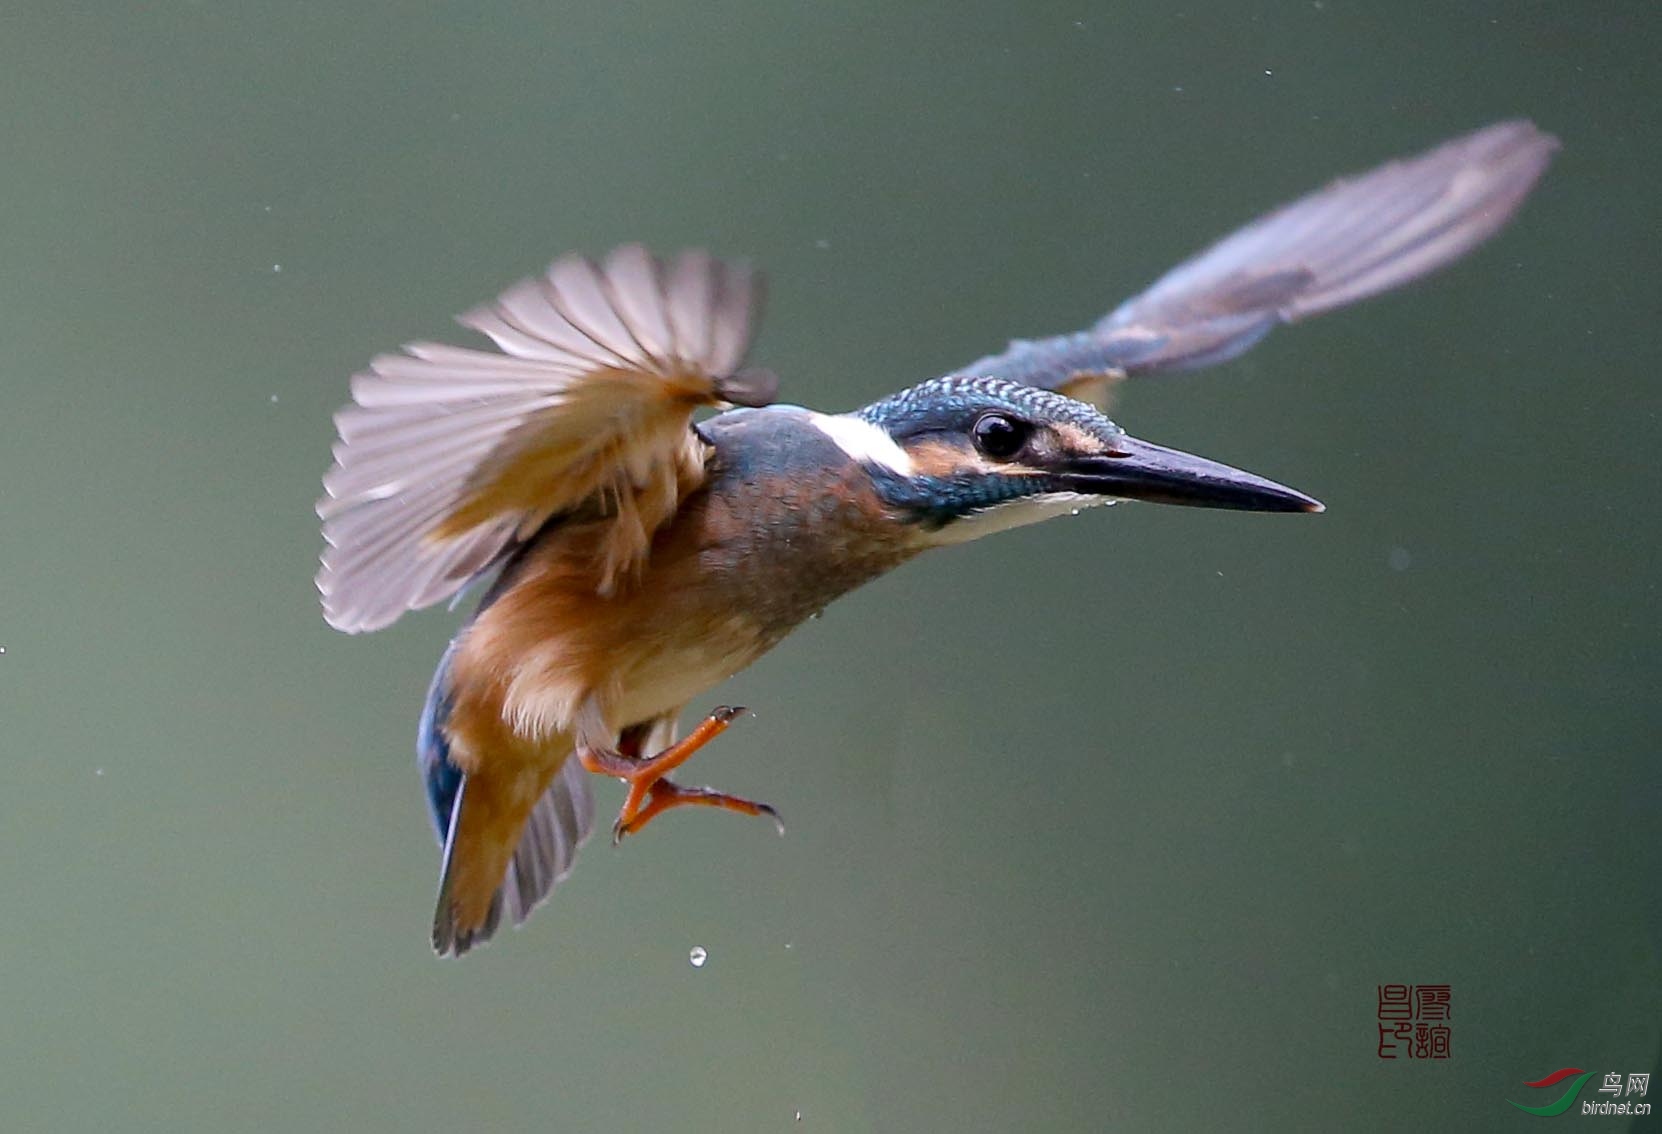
{"x": 1356, "y": 237}
{"x": 448, "y": 456}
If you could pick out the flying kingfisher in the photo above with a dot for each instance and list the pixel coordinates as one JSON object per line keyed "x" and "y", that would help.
{"x": 640, "y": 558}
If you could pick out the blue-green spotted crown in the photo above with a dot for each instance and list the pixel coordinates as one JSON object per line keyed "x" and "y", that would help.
{"x": 951, "y": 405}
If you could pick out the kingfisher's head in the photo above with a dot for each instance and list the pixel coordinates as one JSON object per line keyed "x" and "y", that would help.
{"x": 961, "y": 457}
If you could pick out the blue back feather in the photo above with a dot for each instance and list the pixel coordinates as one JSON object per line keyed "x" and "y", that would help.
{"x": 441, "y": 777}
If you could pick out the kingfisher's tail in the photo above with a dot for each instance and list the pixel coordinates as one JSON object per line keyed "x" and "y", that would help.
{"x": 508, "y": 839}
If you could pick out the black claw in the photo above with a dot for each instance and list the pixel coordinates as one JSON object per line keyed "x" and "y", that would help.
{"x": 725, "y": 713}
{"x": 778, "y": 823}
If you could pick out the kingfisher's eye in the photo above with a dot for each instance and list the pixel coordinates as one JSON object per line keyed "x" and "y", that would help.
{"x": 1000, "y": 436}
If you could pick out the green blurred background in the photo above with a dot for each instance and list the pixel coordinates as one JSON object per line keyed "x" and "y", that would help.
{"x": 1108, "y": 824}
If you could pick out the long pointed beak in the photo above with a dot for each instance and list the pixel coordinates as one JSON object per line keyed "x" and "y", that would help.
{"x": 1138, "y": 470}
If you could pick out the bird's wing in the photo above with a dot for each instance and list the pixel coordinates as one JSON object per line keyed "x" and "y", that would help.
{"x": 448, "y": 457}
{"x": 1354, "y": 238}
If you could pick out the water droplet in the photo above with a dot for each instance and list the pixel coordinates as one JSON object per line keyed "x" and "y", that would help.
{"x": 799, "y": 1116}
{"x": 1267, "y": 71}
{"x": 822, "y": 244}
{"x": 698, "y": 956}
{"x": 276, "y": 267}
{"x": 1399, "y": 559}
{"x": 274, "y": 399}
{"x": 98, "y": 771}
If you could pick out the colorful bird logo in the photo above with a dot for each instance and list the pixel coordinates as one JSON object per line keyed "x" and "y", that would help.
{"x": 1565, "y": 1099}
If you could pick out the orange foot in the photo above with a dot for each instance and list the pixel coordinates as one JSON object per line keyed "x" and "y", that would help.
{"x": 651, "y": 794}
{"x": 666, "y": 793}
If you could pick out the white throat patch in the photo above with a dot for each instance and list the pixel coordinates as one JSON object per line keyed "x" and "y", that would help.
{"x": 1015, "y": 514}
{"x": 863, "y": 441}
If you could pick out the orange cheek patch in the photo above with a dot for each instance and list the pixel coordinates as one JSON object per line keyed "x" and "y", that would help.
{"x": 941, "y": 459}
{"x": 1076, "y": 440}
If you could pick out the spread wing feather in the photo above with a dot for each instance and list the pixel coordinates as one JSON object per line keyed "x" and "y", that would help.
{"x": 448, "y": 456}
{"x": 1354, "y": 238}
